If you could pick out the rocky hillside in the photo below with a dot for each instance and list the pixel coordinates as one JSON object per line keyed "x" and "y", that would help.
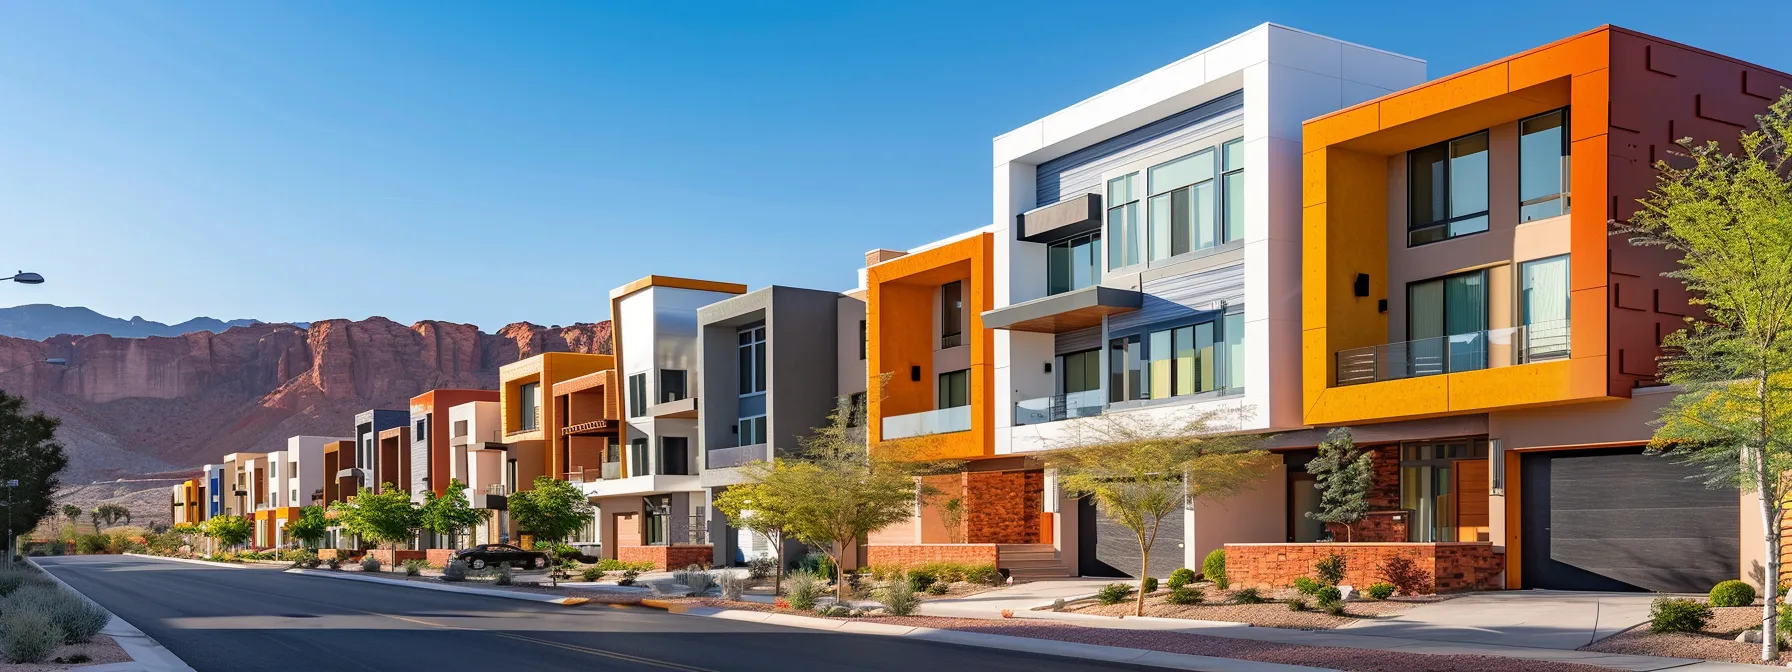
{"x": 38, "y": 321}
{"x": 158, "y": 405}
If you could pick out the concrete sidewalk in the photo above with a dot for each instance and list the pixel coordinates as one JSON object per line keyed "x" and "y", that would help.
{"x": 1540, "y": 618}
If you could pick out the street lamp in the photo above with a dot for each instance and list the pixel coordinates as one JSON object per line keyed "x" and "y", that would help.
{"x": 10, "y": 484}
{"x": 24, "y": 278}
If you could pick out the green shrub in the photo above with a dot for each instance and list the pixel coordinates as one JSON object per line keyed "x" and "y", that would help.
{"x": 942, "y": 589}
{"x": 817, "y": 563}
{"x": 899, "y": 597}
{"x": 591, "y": 575}
{"x": 1307, "y": 586}
{"x": 628, "y": 577}
{"x": 455, "y": 570}
{"x": 1330, "y": 599}
{"x": 803, "y": 588}
{"x": 1247, "y": 596}
{"x": 1186, "y": 595}
{"x": 1181, "y": 577}
{"x": 1114, "y": 593}
{"x": 1149, "y": 585}
{"x": 985, "y": 574}
{"x": 762, "y": 567}
{"x": 415, "y": 566}
{"x": 1214, "y": 568}
{"x": 1330, "y": 569}
{"x": 370, "y": 564}
{"x": 28, "y": 636}
{"x": 1732, "y": 593}
{"x": 91, "y": 544}
{"x": 921, "y": 579}
{"x": 614, "y": 565}
{"x": 1297, "y": 604}
{"x": 77, "y": 618}
{"x": 1380, "y": 590}
{"x": 12, "y": 579}
{"x": 1669, "y": 614}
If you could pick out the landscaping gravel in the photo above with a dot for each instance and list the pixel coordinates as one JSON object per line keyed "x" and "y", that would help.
{"x": 1268, "y": 614}
{"x": 1716, "y": 642}
{"x": 100, "y": 651}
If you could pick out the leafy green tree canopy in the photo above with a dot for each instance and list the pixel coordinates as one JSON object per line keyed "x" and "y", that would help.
{"x": 1344, "y": 474}
{"x": 451, "y": 514}
{"x": 29, "y": 454}
{"x": 228, "y": 531}
{"x": 385, "y": 517}
{"x": 311, "y": 527}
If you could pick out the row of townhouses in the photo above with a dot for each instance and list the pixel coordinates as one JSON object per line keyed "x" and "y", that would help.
{"x": 1303, "y": 231}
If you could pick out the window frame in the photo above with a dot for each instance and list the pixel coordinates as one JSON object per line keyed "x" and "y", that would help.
{"x": 637, "y": 394}
{"x": 1413, "y": 227}
{"x": 1223, "y": 194}
{"x": 1120, "y": 396}
{"x": 952, "y": 315}
{"x": 1566, "y": 195}
{"x": 682, "y": 377}
{"x": 1070, "y": 244}
{"x": 529, "y": 399}
{"x": 1129, "y": 239}
{"x": 940, "y": 388}
{"x": 1214, "y": 142}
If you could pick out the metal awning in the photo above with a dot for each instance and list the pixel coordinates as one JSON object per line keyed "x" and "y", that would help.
{"x": 1069, "y": 311}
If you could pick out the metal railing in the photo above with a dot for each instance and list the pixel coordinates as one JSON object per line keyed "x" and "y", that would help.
{"x": 1473, "y": 351}
{"x": 612, "y": 470}
{"x": 723, "y": 458}
{"x": 956, "y": 419}
{"x": 579, "y": 475}
{"x": 497, "y": 489}
{"x": 678, "y": 530}
{"x": 1058, "y": 407}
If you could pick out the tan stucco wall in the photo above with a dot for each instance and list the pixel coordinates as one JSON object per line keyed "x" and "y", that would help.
{"x": 1256, "y": 516}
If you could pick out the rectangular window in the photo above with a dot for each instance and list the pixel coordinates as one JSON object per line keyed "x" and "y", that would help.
{"x": 637, "y": 458}
{"x": 675, "y": 456}
{"x": 951, "y": 314}
{"x": 955, "y": 389}
{"x": 654, "y": 512}
{"x": 637, "y": 395}
{"x": 1446, "y": 324}
{"x": 1073, "y": 264}
{"x": 672, "y": 385}
{"x": 1081, "y": 371}
{"x": 1164, "y": 363}
{"x": 1233, "y": 329}
{"x": 460, "y": 428}
{"x": 1126, "y": 375}
{"x": 1427, "y": 486}
{"x": 751, "y": 430}
{"x": 1543, "y": 166}
{"x": 1126, "y": 238}
{"x": 750, "y": 361}
{"x": 421, "y": 432}
{"x": 864, "y": 340}
{"x": 1181, "y": 207}
{"x": 1543, "y": 308}
{"x": 1232, "y": 190}
{"x": 530, "y": 393}
{"x": 1447, "y": 190}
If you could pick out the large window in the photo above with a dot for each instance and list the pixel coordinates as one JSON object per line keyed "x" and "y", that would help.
{"x": 675, "y": 456}
{"x": 1446, "y": 323}
{"x": 751, "y": 430}
{"x": 1180, "y": 211}
{"x": 955, "y": 389}
{"x": 1081, "y": 371}
{"x": 1126, "y": 231}
{"x": 1429, "y": 474}
{"x": 1232, "y": 190}
{"x": 637, "y": 458}
{"x": 1447, "y": 190}
{"x": 750, "y": 361}
{"x": 672, "y": 385}
{"x": 1543, "y": 307}
{"x": 637, "y": 395}
{"x": 1073, "y": 264}
{"x": 655, "y": 510}
{"x": 530, "y": 394}
{"x": 952, "y": 314}
{"x": 1177, "y": 361}
{"x": 1543, "y": 166}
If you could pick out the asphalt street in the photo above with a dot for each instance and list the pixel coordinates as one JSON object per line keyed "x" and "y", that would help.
{"x": 230, "y": 620}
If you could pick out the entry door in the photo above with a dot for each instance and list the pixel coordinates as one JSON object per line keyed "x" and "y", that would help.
{"x": 1471, "y": 500}
{"x": 1303, "y": 498}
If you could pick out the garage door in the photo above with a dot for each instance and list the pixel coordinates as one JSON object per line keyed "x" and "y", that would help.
{"x": 1622, "y": 520}
{"x": 1107, "y": 548}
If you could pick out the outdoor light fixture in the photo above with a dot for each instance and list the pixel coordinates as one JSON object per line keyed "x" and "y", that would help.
{"x": 914, "y": 373}
{"x": 1361, "y": 286}
{"x": 24, "y": 278}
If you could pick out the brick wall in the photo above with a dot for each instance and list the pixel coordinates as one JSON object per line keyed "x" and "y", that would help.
{"x": 1375, "y": 526}
{"x": 667, "y": 558}
{"x": 909, "y": 555}
{"x": 1003, "y": 507}
{"x": 387, "y": 560}
{"x": 439, "y": 557}
{"x": 1453, "y": 566}
{"x": 1384, "y": 488}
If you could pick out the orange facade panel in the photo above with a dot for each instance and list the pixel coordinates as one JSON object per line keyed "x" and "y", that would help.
{"x": 902, "y": 342}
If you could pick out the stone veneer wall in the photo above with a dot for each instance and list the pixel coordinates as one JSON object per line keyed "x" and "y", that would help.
{"x": 439, "y": 557}
{"x": 1376, "y": 526}
{"x": 388, "y": 561}
{"x": 1453, "y": 566}
{"x": 909, "y": 555}
{"x": 1003, "y": 507}
{"x": 1386, "y": 521}
{"x": 667, "y": 558}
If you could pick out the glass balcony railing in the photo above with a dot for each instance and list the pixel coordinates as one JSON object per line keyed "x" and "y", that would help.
{"x": 957, "y": 419}
{"x": 1058, "y": 407}
{"x": 1472, "y": 351}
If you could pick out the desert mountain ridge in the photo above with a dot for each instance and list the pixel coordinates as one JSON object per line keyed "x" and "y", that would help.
{"x": 38, "y": 321}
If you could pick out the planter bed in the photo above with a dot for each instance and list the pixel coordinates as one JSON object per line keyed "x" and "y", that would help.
{"x": 1272, "y": 614}
{"x": 1716, "y": 642}
{"x": 100, "y": 651}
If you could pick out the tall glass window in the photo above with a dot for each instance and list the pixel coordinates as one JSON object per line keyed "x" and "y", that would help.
{"x": 1232, "y": 190}
{"x": 1543, "y": 166}
{"x": 638, "y": 464}
{"x": 1081, "y": 371}
{"x": 1184, "y": 360}
{"x": 1126, "y": 374}
{"x": 1543, "y": 307}
{"x": 1427, "y": 485}
{"x": 530, "y": 395}
{"x": 1446, "y": 323}
{"x": 1447, "y": 190}
{"x": 955, "y": 389}
{"x": 1073, "y": 264}
{"x": 1233, "y": 329}
{"x": 1181, "y": 207}
{"x": 1126, "y": 233}
{"x": 952, "y": 314}
{"x": 637, "y": 395}
{"x": 751, "y": 426}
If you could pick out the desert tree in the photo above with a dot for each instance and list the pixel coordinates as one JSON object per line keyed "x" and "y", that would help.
{"x": 551, "y": 512}
{"x": 228, "y": 531}
{"x": 750, "y": 506}
{"x": 30, "y": 455}
{"x": 1343, "y": 473}
{"x": 1728, "y": 216}
{"x": 1141, "y": 467}
{"x": 451, "y": 514}
{"x": 310, "y": 528}
{"x": 384, "y": 517}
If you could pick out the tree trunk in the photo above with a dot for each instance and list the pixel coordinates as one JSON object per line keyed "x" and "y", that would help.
{"x": 778, "y": 572}
{"x": 839, "y": 574}
{"x": 1144, "y": 572}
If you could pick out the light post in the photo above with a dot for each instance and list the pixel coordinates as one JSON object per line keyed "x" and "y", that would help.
{"x": 10, "y": 484}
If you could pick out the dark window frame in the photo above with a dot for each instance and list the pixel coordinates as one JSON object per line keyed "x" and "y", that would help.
{"x": 1567, "y": 192}
{"x": 1412, "y": 226}
{"x": 637, "y": 394}
{"x": 679, "y": 376}
{"x": 1141, "y": 335}
{"x": 1092, "y": 238}
{"x": 952, "y": 314}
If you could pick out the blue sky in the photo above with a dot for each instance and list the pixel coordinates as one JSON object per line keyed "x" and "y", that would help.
{"x": 499, "y": 162}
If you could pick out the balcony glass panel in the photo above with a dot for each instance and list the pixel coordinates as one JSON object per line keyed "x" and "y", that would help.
{"x": 928, "y": 422}
{"x": 1490, "y": 348}
{"x": 1058, "y": 407}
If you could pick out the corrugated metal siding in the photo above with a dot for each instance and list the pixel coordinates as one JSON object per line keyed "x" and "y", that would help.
{"x": 1079, "y": 172}
{"x": 1078, "y": 341}
{"x": 1183, "y": 296}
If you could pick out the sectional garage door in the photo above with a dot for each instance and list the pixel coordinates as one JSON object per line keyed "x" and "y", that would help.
{"x": 1621, "y": 520}
{"x": 1107, "y": 548}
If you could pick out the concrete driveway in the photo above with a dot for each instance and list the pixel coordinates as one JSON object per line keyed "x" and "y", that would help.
{"x": 1537, "y": 618}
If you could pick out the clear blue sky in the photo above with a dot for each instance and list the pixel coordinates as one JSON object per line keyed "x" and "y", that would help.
{"x": 496, "y": 162}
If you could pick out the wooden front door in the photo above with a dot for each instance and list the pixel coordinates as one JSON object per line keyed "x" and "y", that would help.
{"x": 1471, "y": 492}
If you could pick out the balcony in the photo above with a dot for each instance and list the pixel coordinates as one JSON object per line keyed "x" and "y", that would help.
{"x": 942, "y": 421}
{"x": 1472, "y": 351}
{"x": 1058, "y": 407}
{"x": 723, "y": 458}
{"x": 599, "y": 427}
{"x": 612, "y": 470}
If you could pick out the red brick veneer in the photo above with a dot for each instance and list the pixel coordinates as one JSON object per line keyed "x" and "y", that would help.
{"x": 1453, "y": 566}
{"x": 668, "y": 558}
{"x": 1003, "y": 507}
{"x": 439, "y": 557}
{"x": 909, "y": 555}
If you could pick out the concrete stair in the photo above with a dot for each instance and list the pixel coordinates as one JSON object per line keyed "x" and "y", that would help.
{"x": 1031, "y": 562}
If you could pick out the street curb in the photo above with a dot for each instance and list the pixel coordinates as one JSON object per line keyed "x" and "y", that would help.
{"x": 190, "y": 561}
{"x": 145, "y": 651}
{"x": 506, "y": 594}
{"x": 1050, "y": 647}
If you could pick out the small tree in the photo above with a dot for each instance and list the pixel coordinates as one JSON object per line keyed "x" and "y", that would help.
{"x": 71, "y": 512}
{"x": 384, "y": 517}
{"x": 553, "y": 511}
{"x": 1140, "y": 467}
{"x": 1729, "y": 217}
{"x": 952, "y": 518}
{"x": 1344, "y": 474}
{"x": 310, "y": 528}
{"x": 749, "y": 506}
{"x": 228, "y": 531}
{"x": 111, "y": 514}
{"x": 29, "y": 454}
{"x": 451, "y": 514}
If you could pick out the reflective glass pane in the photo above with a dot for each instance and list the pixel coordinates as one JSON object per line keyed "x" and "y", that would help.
{"x": 1184, "y": 341}
{"x": 1426, "y": 184}
{"x": 1234, "y": 328}
{"x": 1201, "y": 206}
{"x": 1204, "y": 357}
{"x": 1085, "y": 253}
{"x": 1182, "y": 232}
{"x": 1468, "y": 175}
{"x": 759, "y": 367}
{"x": 1117, "y": 370}
{"x": 1159, "y": 372}
{"x": 1181, "y": 172}
{"x": 1234, "y": 151}
{"x": 1135, "y": 239}
{"x": 1162, "y": 221}
{"x": 1540, "y": 164}
{"x": 744, "y": 366}
{"x": 1117, "y": 230}
{"x": 1464, "y": 227}
{"x": 1057, "y": 268}
{"x": 1234, "y": 225}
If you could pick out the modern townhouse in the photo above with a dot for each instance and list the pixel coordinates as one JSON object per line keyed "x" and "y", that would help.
{"x": 364, "y": 470}
{"x": 1144, "y": 264}
{"x": 187, "y": 505}
{"x": 532, "y": 431}
{"x": 656, "y": 510}
{"x": 765, "y": 380}
{"x": 479, "y": 458}
{"x": 392, "y": 450}
{"x": 1467, "y": 314}
{"x": 245, "y": 483}
{"x": 294, "y": 480}
{"x": 340, "y": 478}
{"x": 431, "y": 457}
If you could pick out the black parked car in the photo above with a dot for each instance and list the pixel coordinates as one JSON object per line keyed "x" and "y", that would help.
{"x": 491, "y": 555}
